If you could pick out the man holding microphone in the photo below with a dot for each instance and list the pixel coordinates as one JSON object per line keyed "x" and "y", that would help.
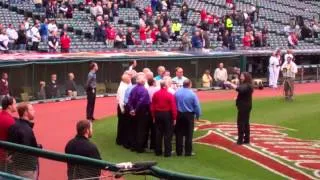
{"x": 188, "y": 109}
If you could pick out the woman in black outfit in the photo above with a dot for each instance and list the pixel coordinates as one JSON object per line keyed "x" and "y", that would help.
{"x": 244, "y": 105}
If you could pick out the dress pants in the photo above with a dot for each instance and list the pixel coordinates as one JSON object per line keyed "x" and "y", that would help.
{"x": 164, "y": 128}
{"x": 288, "y": 87}
{"x": 184, "y": 128}
{"x": 140, "y": 130}
{"x": 151, "y": 136}
{"x": 243, "y": 125}
{"x": 91, "y": 100}
{"x": 120, "y": 129}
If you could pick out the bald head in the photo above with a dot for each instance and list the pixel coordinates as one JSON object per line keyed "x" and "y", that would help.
{"x": 141, "y": 78}
{"x": 146, "y": 70}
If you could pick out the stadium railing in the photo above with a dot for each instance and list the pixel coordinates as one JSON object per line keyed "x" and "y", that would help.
{"x": 23, "y": 157}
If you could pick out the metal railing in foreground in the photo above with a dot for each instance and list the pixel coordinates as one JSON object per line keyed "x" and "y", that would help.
{"x": 143, "y": 168}
{"x": 7, "y": 176}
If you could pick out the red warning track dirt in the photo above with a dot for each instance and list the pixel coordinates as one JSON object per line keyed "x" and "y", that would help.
{"x": 55, "y": 123}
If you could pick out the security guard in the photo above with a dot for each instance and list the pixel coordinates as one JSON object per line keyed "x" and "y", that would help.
{"x": 91, "y": 90}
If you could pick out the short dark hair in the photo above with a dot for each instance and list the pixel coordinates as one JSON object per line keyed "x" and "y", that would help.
{"x": 186, "y": 83}
{"x": 247, "y": 78}
{"x": 82, "y": 127}
{"x": 133, "y": 80}
{"x": 6, "y": 102}
{"x": 22, "y": 108}
{"x": 151, "y": 82}
{"x": 91, "y": 65}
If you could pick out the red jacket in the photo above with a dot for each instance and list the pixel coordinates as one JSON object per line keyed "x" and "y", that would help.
{"x": 65, "y": 42}
{"x": 6, "y": 121}
{"x": 203, "y": 14}
{"x": 162, "y": 100}
{"x": 110, "y": 34}
{"x": 210, "y": 19}
{"x": 246, "y": 41}
{"x": 148, "y": 10}
{"x": 154, "y": 33}
{"x": 143, "y": 34}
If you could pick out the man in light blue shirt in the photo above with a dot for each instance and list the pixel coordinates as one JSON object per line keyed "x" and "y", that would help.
{"x": 179, "y": 79}
{"x": 128, "y": 90}
{"x": 188, "y": 109}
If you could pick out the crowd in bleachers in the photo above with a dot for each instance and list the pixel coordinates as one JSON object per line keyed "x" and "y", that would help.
{"x": 157, "y": 25}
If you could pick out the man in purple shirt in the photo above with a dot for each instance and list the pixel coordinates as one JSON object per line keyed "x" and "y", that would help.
{"x": 139, "y": 105}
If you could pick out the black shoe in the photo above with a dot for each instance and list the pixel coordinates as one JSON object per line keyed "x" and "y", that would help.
{"x": 246, "y": 142}
{"x": 167, "y": 155}
{"x": 239, "y": 142}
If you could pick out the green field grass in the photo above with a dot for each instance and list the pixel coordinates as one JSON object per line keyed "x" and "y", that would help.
{"x": 302, "y": 115}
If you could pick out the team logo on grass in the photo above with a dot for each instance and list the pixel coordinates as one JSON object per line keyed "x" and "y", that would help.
{"x": 270, "y": 148}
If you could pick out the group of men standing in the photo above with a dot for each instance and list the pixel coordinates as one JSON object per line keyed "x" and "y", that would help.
{"x": 289, "y": 70}
{"x": 151, "y": 109}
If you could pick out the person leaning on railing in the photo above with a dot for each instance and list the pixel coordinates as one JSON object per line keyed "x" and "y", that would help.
{"x": 22, "y": 133}
{"x": 80, "y": 145}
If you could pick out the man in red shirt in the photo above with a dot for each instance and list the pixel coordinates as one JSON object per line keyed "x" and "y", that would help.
{"x": 203, "y": 15}
{"x": 164, "y": 111}
{"x": 247, "y": 40}
{"x": 143, "y": 33}
{"x": 65, "y": 42}
{"x": 154, "y": 33}
{"x": 6, "y": 121}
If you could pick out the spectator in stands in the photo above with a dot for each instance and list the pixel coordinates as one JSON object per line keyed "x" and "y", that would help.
{"x": 99, "y": 31}
{"x": 80, "y": 145}
{"x": 4, "y": 85}
{"x": 196, "y": 41}
{"x": 188, "y": 107}
{"x": 203, "y": 15}
{"x": 229, "y": 4}
{"x": 115, "y": 13}
{"x": 179, "y": 79}
{"x": 52, "y": 9}
{"x": 252, "y": 13}
{"x": 164, "y": 35}
{"x": 161, "y": 71}
{"x": 110, "y": 35}
{"x": 143, "y": 33}
{"x": 186, "y": 42}
{"x": 154, "y": 5}
{"x": 52, "y": 26}
{"x": 4, "y": 41}
{"x": 184, "y": 14}
{"x": 225, "y": 40}
{"x": 38, "y": 5}
{"x": 232, "y": 41}
{"x": 8, "y": 108}
{"x": 22, "y": 38}
{"x": 229, "y": 23}
{"x": 13, "y": 36}
{"x": 44, "y": 32}
{"x": 98, "y": 9}
{"x": 22, "y": 133}
{"x": 220, "y": 76}
{"x": 258, "y": 40}
{"x": 71, "y": 87}
{"x": 52, "y": 87}
{"x": 292, "y": 40}
{"x": 130, "y": 40}
{"x": 53, "y": 42}
{"x": 164, "y": 5}
{"x": 207, "y": 79}
{"x": 205, "y": 38}
{"x": 65, "y": 42}
{"x": 205, "y": 25}
{"x": 119, "y": 41}
{"x": 69, "y": 12}
{"x": 247, "y": 40}
{"x": 42, "y": 90}
{"x": 26, "y": 23}
{"x": 175, "y": 29}
{"x": 155, "y": 34}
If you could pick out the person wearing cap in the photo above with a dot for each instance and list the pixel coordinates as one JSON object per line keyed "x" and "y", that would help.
{"x": 188, "y": 110}
{"x": 289, "y": 70}
{"x": 164, "y": 113}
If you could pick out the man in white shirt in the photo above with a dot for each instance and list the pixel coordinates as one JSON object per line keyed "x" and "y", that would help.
{"x": 168, "y": 82}
{"x": 220, "y": 76}
{"x": 179, "y": 79}
{"x": 289, "y": 70}
{"x": 289, "y": 54}
{"x": 4, "y": 40}
{"x": 52, "y": 26}
{"x": 274, "y": 67}
{"x": 35, "y": 36}
{"x": 13, "y": 36}
{"x": 122, "y": 118}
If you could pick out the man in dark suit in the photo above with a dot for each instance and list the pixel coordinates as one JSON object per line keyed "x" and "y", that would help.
{"x": 80, "y": 145}
{"x": 52, "y": 87}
